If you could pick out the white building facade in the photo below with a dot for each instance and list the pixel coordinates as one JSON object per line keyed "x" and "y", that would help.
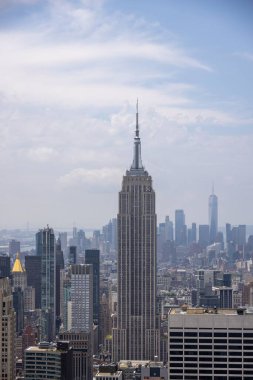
{"x": 210, "y": 344}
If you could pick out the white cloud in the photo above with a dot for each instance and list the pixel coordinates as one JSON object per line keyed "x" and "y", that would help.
{"x": 245, "y": 55}
{"x": 42, "y": 154}
{"x": 97, "y": 179}
{"x": 69, "y": 82}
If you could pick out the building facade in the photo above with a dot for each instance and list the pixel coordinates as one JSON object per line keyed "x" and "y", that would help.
{"x": 213, "y": 344}
{"x": 49, "y": 361}
{"x": 136, "y": 326}
{"x": 82, "y": 358}
{"x": 7, "y": 331}
{"x": 45, "y": 249}
{"x": 81, "y": 297}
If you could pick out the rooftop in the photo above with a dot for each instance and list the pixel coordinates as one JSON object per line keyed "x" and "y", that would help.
{"x": 205, "y": 311}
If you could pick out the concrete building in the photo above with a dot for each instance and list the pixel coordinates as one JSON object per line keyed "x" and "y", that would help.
{"x": 81, "y": 297}
{"x": 108, "y": 371}
{"x": 143, "y": 370}
{"x": 136, "y": 328}
{"x": 210, "y": 344}
{"x": 153, "y": 371}
{"x": 29, "y": 299}
{"x": 48, "y": 361}
{"x": 226, "y": 297}
{"x": 7, "y": 331}
{"x": 28, "y": 338}
{"x": 82, "y": 359}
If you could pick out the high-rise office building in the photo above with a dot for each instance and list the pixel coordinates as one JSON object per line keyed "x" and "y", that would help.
{"x": 92, "y": 257}
{"x": 81, "y": 297}
{"x": 180, "y": 228}
{"x": 136, "y": 327}
{"x": 192, "y": 234}
{"x": 18, "y": 305}
{"x": 210, "y": 344}
{"x": 82, "y": 360}
{"x": 72, "y": 255}
{"x": 63, "y": 236}
{"x": 33, "y": 272}
{"x": 5, "y": 265}
{"x": 7, "y": 331}
{"x": 213, "y": 217}
{"x": 204, "y": 235}
{"x": 226, "y": 297}
{"x": 49, "y": 361}
{"x": 169, "y": 232}
{"x": 59, "y": 266}
{"x": 228, "y": 232}
{"x": 45, "y": 248}
{"x": 14, "y": 247}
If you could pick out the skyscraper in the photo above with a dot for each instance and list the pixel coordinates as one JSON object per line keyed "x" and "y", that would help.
{"x": 45, "y": 248}
{"x": 14, "y": 247}
{"x": 213, "y": 217}
{"x": 19, "y": 279}
{"x": 81, "y": 297}
{"x": 5, "y": 265}
{"x": 33, "y": 271}
{"x": 59, "y": 264}
{"x": 180, "y": 228}
{"x": 92, "y": 257}
{"x": 136, "y": 327}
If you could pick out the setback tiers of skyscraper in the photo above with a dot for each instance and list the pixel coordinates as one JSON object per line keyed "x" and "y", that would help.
{"x": 136, "y": 326}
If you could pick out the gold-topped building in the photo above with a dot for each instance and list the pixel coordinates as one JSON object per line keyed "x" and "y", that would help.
{"x": 19, "y": 274}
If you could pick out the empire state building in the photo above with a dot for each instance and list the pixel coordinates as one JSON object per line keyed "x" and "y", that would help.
{"x": 136, "y": 326}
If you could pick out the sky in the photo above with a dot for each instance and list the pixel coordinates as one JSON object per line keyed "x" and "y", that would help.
{"x": 70, "y": 74}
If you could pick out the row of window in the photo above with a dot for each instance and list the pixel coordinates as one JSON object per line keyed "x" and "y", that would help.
{"x": 211, "y": 333}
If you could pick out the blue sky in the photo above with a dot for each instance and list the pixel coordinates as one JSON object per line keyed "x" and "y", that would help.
{"x": 70, "y": 75}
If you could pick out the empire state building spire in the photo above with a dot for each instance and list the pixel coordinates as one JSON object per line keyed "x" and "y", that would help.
{"x": 137, "y": 167}
{"x": 136, "y": 331}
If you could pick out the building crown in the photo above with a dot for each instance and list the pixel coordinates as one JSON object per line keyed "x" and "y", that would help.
{"x": 137, "y": 168}
{"x": 18, "y": 267}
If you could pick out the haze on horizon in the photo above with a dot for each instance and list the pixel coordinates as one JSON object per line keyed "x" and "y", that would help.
{"x": 70, "y": 75}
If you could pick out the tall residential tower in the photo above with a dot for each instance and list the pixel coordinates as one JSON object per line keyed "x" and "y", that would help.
{"x": 45, "y": 248}
{"x": 213, "y": 216}
{"x": 136, "y": 327}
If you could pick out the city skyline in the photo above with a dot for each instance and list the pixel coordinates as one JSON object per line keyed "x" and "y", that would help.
{"x": 70, "y": 75}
